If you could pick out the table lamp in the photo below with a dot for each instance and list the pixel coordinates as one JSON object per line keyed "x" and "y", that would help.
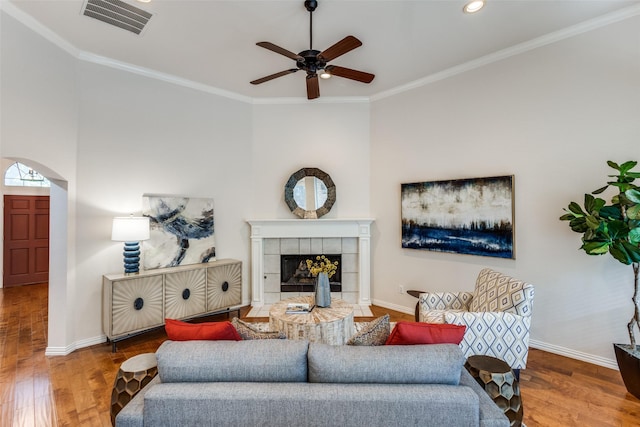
{"x": 130, "y": 230}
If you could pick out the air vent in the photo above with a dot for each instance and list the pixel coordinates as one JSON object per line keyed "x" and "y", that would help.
{"x": 117, "y": 13}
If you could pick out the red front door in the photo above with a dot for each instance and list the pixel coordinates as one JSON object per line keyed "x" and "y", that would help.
{"x": 26, "y": 240}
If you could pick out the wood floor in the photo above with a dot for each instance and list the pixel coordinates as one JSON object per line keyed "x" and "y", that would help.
{"x": 75, "y": 390}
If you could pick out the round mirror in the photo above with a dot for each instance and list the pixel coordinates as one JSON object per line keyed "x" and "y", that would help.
{"x": 310, "y": 193}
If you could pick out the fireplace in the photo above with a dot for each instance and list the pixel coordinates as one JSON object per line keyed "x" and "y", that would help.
{"x": 272, "y": 238}
{"x": 295, "y": 277}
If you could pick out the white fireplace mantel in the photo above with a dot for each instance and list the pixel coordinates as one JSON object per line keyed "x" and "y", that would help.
{"x": 309, "y": 228}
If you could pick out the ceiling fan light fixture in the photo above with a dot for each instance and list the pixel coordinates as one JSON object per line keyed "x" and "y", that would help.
{"x": 473, "y": 6}
{"x": 314, "y": 62}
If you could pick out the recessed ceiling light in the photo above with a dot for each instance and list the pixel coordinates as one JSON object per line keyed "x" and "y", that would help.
{"x": 144, "y": 1}
{"x": 473, "y": 6}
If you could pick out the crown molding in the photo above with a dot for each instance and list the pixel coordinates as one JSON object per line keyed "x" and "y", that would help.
{"x": 35, "y": 25}
{"x": 49, "y": 35}
{"x": 322, "y": 100}
{"x": 518, "y": 49}
{"x": 169, "y": 78}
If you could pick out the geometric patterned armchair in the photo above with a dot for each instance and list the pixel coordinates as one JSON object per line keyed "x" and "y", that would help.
{"x": 497, "y": 315}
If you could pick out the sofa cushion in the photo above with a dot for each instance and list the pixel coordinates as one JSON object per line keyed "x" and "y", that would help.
{"x": 184, "y": 331}
{"x": 409, "y": 333}
{"x": 248, "y": 331}
{"x": 375, "y": 332}
{"x": 243, "y": 361}
{"x": 420, "y": 364}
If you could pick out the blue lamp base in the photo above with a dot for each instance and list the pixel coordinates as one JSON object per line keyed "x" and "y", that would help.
{"x": 131, "y": 257}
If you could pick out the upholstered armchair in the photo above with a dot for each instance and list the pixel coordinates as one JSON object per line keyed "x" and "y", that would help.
{"x": 497, "y": 315}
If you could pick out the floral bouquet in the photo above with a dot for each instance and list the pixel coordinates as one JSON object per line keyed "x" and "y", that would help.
{"x": 322, "y": 265}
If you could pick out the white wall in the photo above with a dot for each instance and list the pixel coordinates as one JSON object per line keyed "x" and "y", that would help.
{"x": 552, "y": 117}
{"x": 331, "y": 137}
{"x": 138, "y": 135}
{"x": 39, "y": 127}
{"x": 39, "y": 114}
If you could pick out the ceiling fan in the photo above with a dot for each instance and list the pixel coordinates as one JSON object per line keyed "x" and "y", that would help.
{"x": 313, "y": 61}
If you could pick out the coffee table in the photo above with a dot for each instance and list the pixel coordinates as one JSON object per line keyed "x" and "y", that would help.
{"x": 329, "y": 325}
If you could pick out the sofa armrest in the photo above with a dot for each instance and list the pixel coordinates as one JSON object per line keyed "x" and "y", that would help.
{"x": 470, "y": 318}
{"x": 499, "y": 334}
{"x": 490, "y": 414}
{"x": 132, "y": 414}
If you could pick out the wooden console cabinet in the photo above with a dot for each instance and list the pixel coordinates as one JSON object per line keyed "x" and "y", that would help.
{"x": 137, "y": 303}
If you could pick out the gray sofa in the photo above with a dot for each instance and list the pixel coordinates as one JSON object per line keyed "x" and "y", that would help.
{"x": 295, "y": 383}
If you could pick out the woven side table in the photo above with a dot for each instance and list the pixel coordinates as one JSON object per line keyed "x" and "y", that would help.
{"x": 499, "y": 381}
{"x": 133, "y": 375}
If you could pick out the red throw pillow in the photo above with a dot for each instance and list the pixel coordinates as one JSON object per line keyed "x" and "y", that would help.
{"x": 183, "y": 331}
{"x": 407, "y": 333}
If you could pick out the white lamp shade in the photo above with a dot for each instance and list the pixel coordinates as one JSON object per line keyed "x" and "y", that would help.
{"x": 130, "y": 229}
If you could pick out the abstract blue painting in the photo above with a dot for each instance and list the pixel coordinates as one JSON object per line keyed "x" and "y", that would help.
{"x": 467, "y": 216}
{"x": 181, "y": 231}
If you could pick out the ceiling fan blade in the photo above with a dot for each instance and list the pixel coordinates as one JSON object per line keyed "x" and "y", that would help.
{"x": 274, "y": 76}
{"x": 313, "y": 88}
{"x": 348, "y": 73}
{"x": 343, "y": 46}
{"x": 277, "y": 49}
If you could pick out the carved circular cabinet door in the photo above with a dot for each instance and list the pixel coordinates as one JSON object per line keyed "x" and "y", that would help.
{"x": 189, "y": 284}
{"x": 137, "y": 304}
{"x": 219, "y": 278}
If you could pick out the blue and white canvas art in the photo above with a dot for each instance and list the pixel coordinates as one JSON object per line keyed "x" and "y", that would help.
{"x": 182, "y": 231}
{"x": 466, "y": 216}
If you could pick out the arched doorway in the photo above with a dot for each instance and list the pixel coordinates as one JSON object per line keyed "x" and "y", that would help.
{"x": 26, "y": 226}
{"x": 59, "y": 319}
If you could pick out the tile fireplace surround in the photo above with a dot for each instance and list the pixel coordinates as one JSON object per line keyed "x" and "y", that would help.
{"x": 272, "y": 238}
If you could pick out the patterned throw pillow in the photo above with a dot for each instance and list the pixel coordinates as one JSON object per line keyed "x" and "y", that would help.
{"x": 375, "y": 332}
{"x": 248, "y": 331}
{"x": 498, "y": 292}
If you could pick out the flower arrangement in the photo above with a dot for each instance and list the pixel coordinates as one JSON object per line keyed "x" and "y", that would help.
{"x": 322, "y": 265}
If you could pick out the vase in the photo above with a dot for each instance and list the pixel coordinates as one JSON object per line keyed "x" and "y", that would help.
{"x": 629, "y": 365}
{"x": 323, "y": 291}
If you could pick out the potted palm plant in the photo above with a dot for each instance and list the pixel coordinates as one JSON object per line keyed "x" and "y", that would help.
{"x": 615, "y": 229}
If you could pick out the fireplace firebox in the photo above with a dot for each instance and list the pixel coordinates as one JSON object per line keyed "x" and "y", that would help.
{"x": 295, "y": 277}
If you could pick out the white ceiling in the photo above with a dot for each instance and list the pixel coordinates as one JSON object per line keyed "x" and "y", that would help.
{"x": 212, "y": 42}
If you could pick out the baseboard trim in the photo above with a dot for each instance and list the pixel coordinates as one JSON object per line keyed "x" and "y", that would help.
{"x": 58, "y": 351}
{"x": 64, "y": 351}
{"x": 395, "y": 307}
{"x": 574, "y": 354}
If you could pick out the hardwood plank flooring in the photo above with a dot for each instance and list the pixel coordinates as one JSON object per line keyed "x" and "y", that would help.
{"x": 75, "y": 390}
